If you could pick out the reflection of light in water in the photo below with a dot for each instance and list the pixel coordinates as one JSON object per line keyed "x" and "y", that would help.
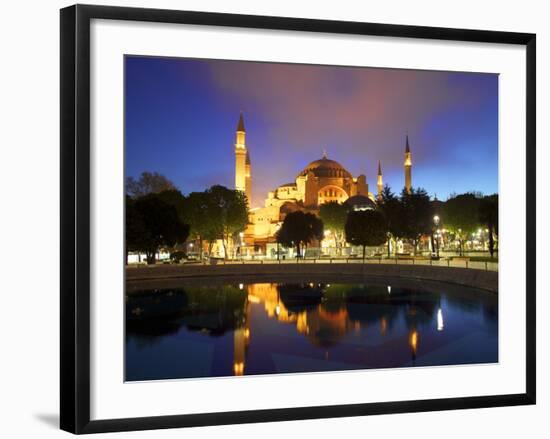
{"x": 389, "y": 289}
{"x": 240, "y": 338}
{"x": 241, "y": 286}
{"x": 238, "y": 368}
{"x": 301, "y": 323}
{"x": 253, "y": 299}
{"x": 383, "y": 325}
{"x": 413, "y": 342}
{"x": 440, "y": 324}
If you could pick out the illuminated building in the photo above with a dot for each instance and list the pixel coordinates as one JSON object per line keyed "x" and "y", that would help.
{"x": 321, "y": 181}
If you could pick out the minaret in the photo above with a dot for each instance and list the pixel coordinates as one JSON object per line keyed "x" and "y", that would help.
{"x": 242, "y": 160}
{"x": 247, "y": 179}
{"x": 408, "y": 167}
{"x": 380, "y": 183}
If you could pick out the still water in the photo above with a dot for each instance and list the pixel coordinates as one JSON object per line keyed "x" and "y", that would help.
{"x": 287, "y": 327}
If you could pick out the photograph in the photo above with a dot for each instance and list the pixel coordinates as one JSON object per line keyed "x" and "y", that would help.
{"x": 296, "y": 218}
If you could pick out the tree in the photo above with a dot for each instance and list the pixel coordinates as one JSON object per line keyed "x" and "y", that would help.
{"x": 417, "y": 215}
{"x": 152, "y": 223}
{"x": 299, "y": 229}
{"x": 488, "y": 216}
{"x": 174, "y": 198}
{"x": 365, "y": 228}
{"x": 230, "y": 210}
{"x": 391, "y": 207}
{"x": 460, "y": 215}
{"x": 333, "y": 215}
{"x": 148, "y": 183}
{"x": 135, "y": 227}
{"x": 200, "y": 213}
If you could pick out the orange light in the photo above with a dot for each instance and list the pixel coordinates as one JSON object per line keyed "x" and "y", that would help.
{"x": 413, "y": 341}
{"x": 238, "y": 368}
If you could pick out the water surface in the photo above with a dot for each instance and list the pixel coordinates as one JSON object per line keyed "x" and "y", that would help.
{"x": 287, "y": 327}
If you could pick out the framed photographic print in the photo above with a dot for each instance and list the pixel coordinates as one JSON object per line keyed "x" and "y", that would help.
{"x": 284, "y": 218}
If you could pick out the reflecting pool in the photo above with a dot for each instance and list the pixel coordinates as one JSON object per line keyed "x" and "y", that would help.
{"x": 287, "y": 327}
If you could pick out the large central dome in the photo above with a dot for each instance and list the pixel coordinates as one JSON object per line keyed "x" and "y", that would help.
{"x": 325, "y": 167}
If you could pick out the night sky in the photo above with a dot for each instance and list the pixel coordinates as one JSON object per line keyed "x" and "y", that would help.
{"x": 181, "y": 117}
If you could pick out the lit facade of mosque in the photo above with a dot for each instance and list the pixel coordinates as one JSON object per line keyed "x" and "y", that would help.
{"x": 323, "y": 180}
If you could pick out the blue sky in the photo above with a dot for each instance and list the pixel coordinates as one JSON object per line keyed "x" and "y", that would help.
{"x": 181, "y": 116}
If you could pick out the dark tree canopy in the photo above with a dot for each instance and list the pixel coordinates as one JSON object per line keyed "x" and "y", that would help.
{"x": 488, "y": 216}
{"x": 390, "y": 205}
{"x": 298, "y": 229}
{"x": 488, "y": 212}
{"x": 174, "y": 198}
{"x": 151, "y": 223}
{"x": 417, "y": 215}
{"x": 148, "y": 183}
{"x": 229, "y": 210}
{"x": 201, "y": 214}
{"x": 366, "y": 228}
{"x": 461, "y": 216}
{"x": 135, "y": 227}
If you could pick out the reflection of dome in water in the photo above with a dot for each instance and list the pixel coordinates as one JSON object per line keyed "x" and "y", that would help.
{"x": 326, "y": 168}
{"x": 326, "y": 328}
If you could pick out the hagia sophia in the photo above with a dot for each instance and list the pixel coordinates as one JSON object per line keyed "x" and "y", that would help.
{"x": 321, "y": 181}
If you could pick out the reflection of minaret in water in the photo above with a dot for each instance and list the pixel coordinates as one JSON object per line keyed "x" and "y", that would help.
{"x": 383, "y": 326}
{"x": 241, "y": 340}
{"x": 413, "y": 343}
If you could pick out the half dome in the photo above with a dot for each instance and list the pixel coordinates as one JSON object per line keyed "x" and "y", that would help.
{"x": 360, "y": 202}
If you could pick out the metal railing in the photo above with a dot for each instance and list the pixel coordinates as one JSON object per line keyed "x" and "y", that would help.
{"x": 451, "y": 263}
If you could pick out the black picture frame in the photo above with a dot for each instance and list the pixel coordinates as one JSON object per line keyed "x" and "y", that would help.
{"x": 75, "y": 217}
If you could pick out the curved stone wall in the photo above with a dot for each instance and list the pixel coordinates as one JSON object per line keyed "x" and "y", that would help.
{"x": 486, "y": 280}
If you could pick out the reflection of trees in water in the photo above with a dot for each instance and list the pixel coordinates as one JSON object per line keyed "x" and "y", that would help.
{"x": 378, "y": 303}
{"x": 480, "y": 302}
{"x": 326, "y": 327}
{"x": 210, "y": 310}
{"x": 325, "y": 313}
{"x": 300, "y": 297}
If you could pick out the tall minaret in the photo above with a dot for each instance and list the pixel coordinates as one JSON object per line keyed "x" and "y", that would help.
{"x": 380, "y": 183}
{"x": 248, "y": 179}
{"x": 242, "y": 160}
{"x": 408, "y": 167}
